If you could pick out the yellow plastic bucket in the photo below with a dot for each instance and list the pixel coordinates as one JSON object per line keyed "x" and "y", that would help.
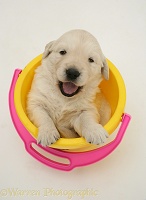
{"x": 113, "y": 89}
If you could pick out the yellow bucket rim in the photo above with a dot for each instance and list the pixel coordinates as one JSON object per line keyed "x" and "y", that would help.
{"x": 69, "y": 143}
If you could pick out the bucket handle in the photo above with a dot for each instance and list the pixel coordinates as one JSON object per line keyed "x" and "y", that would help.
{"x": 75, "y": 159}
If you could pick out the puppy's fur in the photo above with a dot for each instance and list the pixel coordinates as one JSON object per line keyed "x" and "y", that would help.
{"x": 64, "y": 99}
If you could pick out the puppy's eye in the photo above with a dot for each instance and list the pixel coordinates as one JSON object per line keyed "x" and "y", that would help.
{"x": 62, "y": 52}
{"x": 90, "y": 60}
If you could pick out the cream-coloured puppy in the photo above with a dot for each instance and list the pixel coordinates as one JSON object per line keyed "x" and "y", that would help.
{"x": 64, "y": 99}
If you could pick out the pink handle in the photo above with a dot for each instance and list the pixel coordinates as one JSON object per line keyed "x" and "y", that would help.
{"x": 75, "y": 159}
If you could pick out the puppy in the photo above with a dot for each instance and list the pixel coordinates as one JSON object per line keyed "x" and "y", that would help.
{"x": 64, "y": 100}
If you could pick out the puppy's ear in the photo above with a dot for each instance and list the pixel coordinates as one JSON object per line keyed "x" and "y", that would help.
{"x": 105, "y": 69}
{"x": 48, "y": 49}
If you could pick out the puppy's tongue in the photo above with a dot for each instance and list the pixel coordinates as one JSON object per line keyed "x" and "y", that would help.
{"x": 69, "y": 87}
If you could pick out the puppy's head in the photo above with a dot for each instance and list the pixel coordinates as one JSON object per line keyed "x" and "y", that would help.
{"x": 78, "y": 62}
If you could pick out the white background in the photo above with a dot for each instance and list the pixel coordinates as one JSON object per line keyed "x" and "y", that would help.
{"x": 26, "y": 26}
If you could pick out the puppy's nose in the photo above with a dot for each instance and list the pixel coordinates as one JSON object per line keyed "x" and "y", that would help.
{"x": 72, "y": 73}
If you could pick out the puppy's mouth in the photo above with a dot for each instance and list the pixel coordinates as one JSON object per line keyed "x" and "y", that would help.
{"x": 69, "y": 89}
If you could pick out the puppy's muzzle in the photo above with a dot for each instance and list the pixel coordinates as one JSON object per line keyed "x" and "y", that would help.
{"x": 69, "y": 88}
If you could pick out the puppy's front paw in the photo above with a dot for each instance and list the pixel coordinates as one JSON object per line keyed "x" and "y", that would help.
{"x": 47, "y": 135}
{"x": 95, "y": 134}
